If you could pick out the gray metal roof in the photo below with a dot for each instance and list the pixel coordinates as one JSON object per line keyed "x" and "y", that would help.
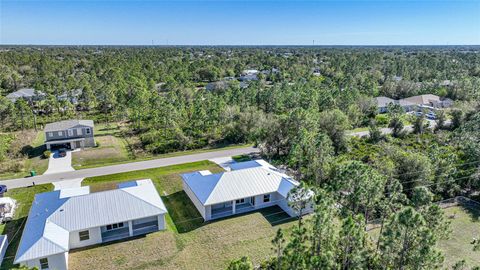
{"x": 25, "y": 93}
{"x": 254, "y": 179}
{"x": 66, "y": 124}
{"x": 54, "y": 215}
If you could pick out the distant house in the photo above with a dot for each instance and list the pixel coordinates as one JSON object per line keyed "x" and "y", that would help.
{"x": 29, "y": 94}
{"x": 248, "y": 186}
{"x": 217, "y": 86}
{"x": 249, "y": 75}
{"x": 66, "y": 219}
{"x": 72, "y": 96}
{"x": 383, "y": 103}
{"x": 70, "y": 134}
{"x": 414, "y": 102}
{"x": 429, "y": 100}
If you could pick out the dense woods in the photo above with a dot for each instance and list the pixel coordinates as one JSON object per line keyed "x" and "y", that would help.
{"x": 298, "y": 113}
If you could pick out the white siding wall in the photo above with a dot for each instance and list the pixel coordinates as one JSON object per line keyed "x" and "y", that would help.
{"x": 95, "y": 238}
{"x": 195, "y": 201}
{"x": 55, "y": 262}
{"x": 208, "y": 212}
{"x": 274, "y": 197}
{"x": 161, "y": 222}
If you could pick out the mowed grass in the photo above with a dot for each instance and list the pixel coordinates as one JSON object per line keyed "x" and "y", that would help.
{"x": 110, "y": 150}
{"x": 14, "y": 228}
{"x": 188, "y": 243}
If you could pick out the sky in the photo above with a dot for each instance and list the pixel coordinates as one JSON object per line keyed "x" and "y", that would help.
{"x": 229, "y": 22}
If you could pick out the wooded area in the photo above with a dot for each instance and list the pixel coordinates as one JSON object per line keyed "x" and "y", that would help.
{"x": 297, "y": 111}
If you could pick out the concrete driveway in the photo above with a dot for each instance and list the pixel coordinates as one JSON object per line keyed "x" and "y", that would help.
{"x": 58, "y": 164}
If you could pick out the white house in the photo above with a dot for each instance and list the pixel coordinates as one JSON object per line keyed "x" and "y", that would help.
{"x": 248, "y": 186}
{"x": 72, "y": 218}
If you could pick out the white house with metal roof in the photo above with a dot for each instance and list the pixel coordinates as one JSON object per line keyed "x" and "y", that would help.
{"x": 72, "y": 218}
{"x": 248, "y": 186}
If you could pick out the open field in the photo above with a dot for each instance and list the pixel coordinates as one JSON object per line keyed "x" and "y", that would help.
{"x": 14, "y": 228}
{"x": 27, "y": 149}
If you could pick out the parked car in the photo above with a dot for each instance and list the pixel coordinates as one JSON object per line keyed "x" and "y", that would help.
{"x": 431, "y": 116}
{"x": 62, "y": 152}
{"x": 418, "y": 113}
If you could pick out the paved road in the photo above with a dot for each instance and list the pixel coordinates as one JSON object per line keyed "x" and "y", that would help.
{"x": 133, "y": 166}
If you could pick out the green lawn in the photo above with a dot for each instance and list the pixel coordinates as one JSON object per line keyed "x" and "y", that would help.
{"x": 188, "y": 243}
{"x": 14, "y": 228}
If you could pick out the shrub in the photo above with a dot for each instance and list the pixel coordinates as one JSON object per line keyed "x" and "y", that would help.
{"x": 47, "y": 153}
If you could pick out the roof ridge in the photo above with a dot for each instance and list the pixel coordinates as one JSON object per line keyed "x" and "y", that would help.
{"x": 141, "y": 199}
{"x": 216, "y": 185}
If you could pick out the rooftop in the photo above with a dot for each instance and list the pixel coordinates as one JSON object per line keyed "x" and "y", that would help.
{"x": 55, "y": 214}
{"x": 246, "y": 179}
{"x": 66, "y": 124}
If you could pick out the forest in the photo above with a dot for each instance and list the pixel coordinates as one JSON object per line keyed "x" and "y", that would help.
{"x": 298, "y": 111}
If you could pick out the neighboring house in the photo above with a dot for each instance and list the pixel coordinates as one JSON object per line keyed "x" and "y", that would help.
{"x": 29, "y": 94}
{"x": 70, "y": 133}
{"x": 248, "y": 186}
{"x": 217, "y": 86}
{"x": 413, "y": 103}
{"x": 72, "y": 96}
{"x": 383, "y": 102}
{"x": 66, "y": 219}
{"x": 429, "y": 100}
{"x": 249, "y": 75}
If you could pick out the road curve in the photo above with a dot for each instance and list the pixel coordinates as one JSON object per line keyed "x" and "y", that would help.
{"x": 126, "y": 167}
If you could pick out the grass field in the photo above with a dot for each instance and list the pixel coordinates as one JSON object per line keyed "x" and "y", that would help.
{"x": 30, "y": 144}
{"x": 189, "y": 243}
{"x": 14, "y": 228}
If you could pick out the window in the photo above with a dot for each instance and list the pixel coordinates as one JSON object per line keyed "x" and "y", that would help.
{"x": 60, "y": 133}
{"x": 114, "y": 226}
{"x": 44, "y": 263}
{"x": 87, "y": 131}
{"x": 70, "y": 132}
{"x": 240, "y": 201}
{"x": 50, "y": 134}
{"x": 84, "y": 235}
{"x": 266, "y": 198}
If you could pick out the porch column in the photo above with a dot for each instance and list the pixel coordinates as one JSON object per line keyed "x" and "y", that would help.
{"x": 130, "y": 228}
{"x": 233, "y": 206}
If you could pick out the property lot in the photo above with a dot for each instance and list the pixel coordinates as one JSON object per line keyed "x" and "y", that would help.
{"x": 111, "y": 149}
{"x": 189, "y": 243}
{"x": 25, "y": 154}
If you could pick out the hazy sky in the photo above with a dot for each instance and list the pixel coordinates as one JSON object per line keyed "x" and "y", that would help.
{"x": 252, "y": 22}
